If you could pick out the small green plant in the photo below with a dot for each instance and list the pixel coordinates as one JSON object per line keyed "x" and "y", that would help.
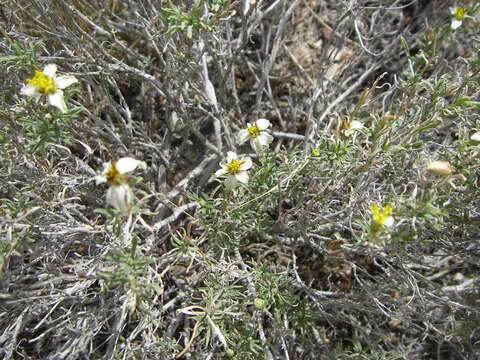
{"x": 15, "y": 212}
{"x": 42, "y": 130}
{"x": 193, "y": 21}
{"x": 24, "y": 55}
{"x": 127, "y": 273}
{"x": 370, "y": 352}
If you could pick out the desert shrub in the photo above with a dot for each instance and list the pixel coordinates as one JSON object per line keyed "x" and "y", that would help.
{"x": 140, "y": 222}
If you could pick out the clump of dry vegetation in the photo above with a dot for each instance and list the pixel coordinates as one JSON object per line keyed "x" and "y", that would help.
{"x": 355, "y": 237}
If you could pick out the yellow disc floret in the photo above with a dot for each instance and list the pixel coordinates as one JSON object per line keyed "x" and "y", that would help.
{"x": 254, "y": 131}
{"x": 346, "y": 125}
{"x": 234, "y": 166}
{"x": 460, "y": 13}
{"x": 44, "y": 83}
{"x": 115, "y": 177}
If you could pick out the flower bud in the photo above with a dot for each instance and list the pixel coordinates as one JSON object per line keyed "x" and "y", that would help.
{"x": 229, "y": 353}
{"x": 442, "y": 168}
{"x": 475, "y": 137}
{"x": 259, "y": 303}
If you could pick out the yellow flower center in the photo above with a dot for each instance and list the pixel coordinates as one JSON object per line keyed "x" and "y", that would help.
{"x": 460, "y": 13}
{"x": 115, "y": 177}
{"x": 380, "y": 215}
{"x": 234, "y": 166}
{"x": 254, "y": 131}
{"x": 346, "y": 125}
{"x": 44, "y": 83}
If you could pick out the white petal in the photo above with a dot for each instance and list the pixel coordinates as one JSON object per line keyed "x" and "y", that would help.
{"x": 56, "y": 99}
{"x": 388, "y": 221}
{"x": 29, "y": 90}
{"x": 65, "y": 81}
{"x": 221, "y": 172}
{"x": 127, "y": 164}
{"x": 246, "y": 163}
{"x": 256, "y": 145}
{"x": 242, "y": 176}
{"x": 262, "y": 124}
{"x": 456, "y": 24}
{"x": 264, "y": 138}
{"x": 231, "y": 181}
{"x": 120, "y": 197}
{"x": 223, "y": 164}
{"x": 50, "y": 70}
{"x": 106, "y": 167}
{"x": 242, "y": 136}
{"x": 348, "y": 132}
{"x": 355, "y": 125}
{"x": 231, "y": 156}
{"x": 99, "y": 179}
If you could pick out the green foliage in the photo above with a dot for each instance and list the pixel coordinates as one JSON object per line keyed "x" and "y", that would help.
{"x": 244, "y": 214}
{"x": 24, "y": 54}
{"x": 44, "y": 129}
{"x": 196, "y": 20}
{"x": 17, "y": 221}
{"x": 369, "y": 352}
{"x": 37, "y": 126}
{"x": 127, "y": 273}
{"x": 274, "y": 291}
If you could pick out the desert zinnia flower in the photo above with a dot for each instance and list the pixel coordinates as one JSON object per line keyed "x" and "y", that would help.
{"x": 119, "y": 194}
{"x": 257, "y": 135}
{"x": 46, "y": 82}
{"x": 234, "y": 169}
{"x": 458, "y": 16}
{"x": 349, "y": 127}
{"x": 381, "y": 217}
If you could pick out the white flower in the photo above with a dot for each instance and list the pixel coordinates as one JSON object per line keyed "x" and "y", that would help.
{"x": 113, "y": 171}
{"x": 47, "y": 83}
{"x": 234, "y": 169}
{"x": 119, "y": 195}
{"x": 349, "y": 127}
{"x": 458, "y": 16}
{"x": 256, "y": 134}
